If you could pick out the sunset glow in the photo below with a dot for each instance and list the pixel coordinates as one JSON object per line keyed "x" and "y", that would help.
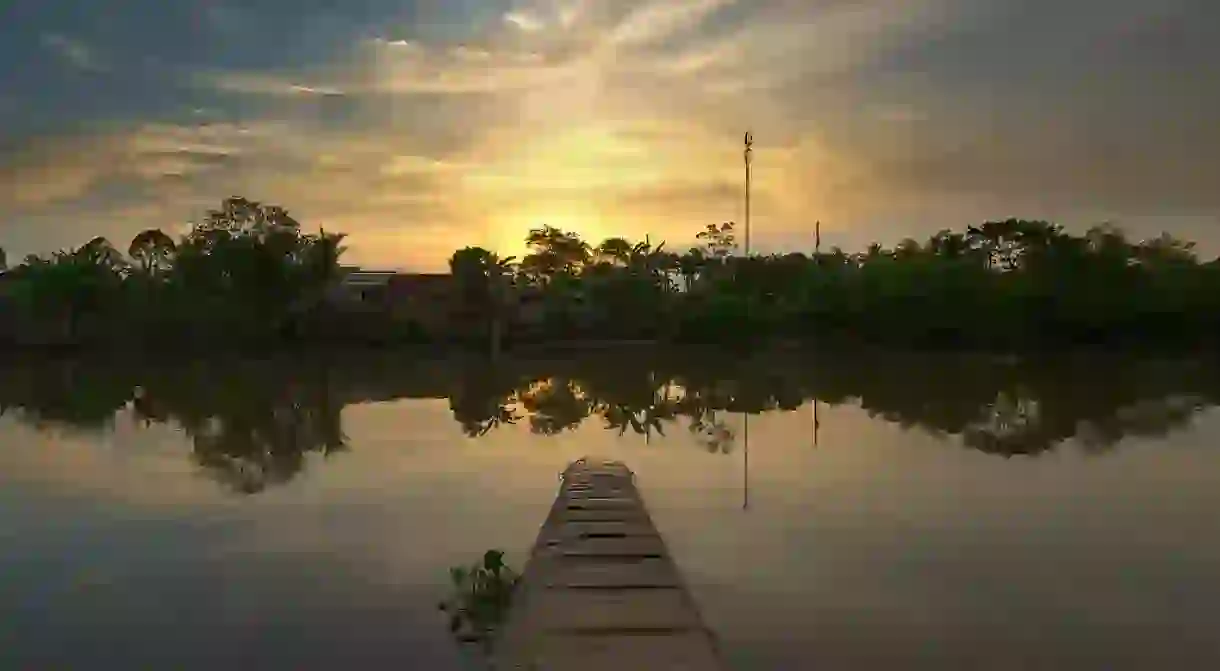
{"x": 418, "y": 127}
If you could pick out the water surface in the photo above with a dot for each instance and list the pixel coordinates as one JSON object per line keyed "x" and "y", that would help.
{"x": 852, "y": 509}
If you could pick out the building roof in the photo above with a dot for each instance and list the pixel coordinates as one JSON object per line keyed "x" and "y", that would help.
{"x": 367, "y": 278}
{"x": 372, "y": 278}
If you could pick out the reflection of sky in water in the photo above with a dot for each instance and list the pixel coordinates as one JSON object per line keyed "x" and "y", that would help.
{"x": 879, "y": 547}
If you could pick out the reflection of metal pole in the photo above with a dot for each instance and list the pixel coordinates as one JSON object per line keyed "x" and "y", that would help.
{"x": 648, "y": 418}
{"x": 745, "y": 478}
{"x": 816, "y": 423}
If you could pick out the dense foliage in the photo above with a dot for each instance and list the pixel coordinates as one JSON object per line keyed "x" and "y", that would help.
{"x": 248, "y": 274}
{"x": 1009, "y": 284}
{"x": 245, "y": 273}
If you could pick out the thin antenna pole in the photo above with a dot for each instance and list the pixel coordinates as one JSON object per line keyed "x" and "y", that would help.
{"x": 817, "y": 238}
{"x": 749, "y": 144}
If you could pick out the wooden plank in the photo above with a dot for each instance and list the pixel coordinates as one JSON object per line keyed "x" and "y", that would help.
{"x": 562, "y": 517}
{"x": 599, "y": 528}
{"x": 591, "y": 609}
{"x": 600, "y": 590}
{"x": 642, "y": 573}
{"x": 672, "y": 651}
{"x": 631, "y": 546}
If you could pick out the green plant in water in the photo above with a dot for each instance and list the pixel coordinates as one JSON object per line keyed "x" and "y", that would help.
{"x": 480, "y": 599}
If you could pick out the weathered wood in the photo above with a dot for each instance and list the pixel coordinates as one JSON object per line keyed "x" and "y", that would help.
{"x": 600, "y": 590}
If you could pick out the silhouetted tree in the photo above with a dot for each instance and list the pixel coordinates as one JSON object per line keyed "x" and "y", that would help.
{"x": 153, "y": 251}
{"x": 554, "y": 252}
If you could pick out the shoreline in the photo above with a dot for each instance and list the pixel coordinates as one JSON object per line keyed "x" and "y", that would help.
{"x": 441, "y": 350}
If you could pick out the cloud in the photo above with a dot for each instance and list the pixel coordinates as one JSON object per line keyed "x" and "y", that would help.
{"x": 73, "y": 166}
{"x": 73, "y": 52}
{"x": 261, "y": 84}
{"x": 525, "y": 20}
{"x": 411, "y": 68}
{"x": 659, "y": 19}
{"x": 626, "y": 116}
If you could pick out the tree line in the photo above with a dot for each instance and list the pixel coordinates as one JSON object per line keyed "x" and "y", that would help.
{"x": 249, "y": 274}
{"x": 1011, "y": 284}
{"x": 246, "y": 273}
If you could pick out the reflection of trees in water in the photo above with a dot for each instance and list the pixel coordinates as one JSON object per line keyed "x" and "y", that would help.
{"x": 712, "y": 432}
{"x": 634, "y": 400}
{"x": 253, "y": 423}
{"x": 1012, "y": 424}
{"x": 992, "y": 405}
{"x": 66, "y": 395}
{"x": 249, "y": 431}
{"x": 554, "y": 405}
{"x": 482, "y": 400}
{"x": 1143, "y": 419}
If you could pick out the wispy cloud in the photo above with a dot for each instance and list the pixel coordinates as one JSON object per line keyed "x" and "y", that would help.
{"x": 73, "y": 52}
{"x": 625, "y": 116}
{"x": 659, "y": 19}
{"x": 525, "y": 20}
{"x": 407, "y": 68}
{"x": 261, "y": 84}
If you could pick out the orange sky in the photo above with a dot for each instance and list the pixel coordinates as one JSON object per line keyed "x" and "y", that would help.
{"x": 426, "y": 128}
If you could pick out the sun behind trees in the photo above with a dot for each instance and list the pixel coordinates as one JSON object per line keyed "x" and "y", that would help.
{"x": 249, "y": 275}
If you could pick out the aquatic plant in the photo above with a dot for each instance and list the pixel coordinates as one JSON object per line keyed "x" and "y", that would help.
{"x": 480, "y": 598}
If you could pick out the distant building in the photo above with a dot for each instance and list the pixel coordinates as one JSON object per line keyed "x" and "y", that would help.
{"x": 360, "y": 286}
{"x": 424, "y": 299}
{"x": 428, "y": 299}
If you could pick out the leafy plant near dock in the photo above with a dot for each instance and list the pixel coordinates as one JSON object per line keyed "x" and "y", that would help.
{"x": 480, "y": 598}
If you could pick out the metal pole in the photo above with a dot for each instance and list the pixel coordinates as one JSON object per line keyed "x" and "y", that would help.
{"x": 749, "y": 143}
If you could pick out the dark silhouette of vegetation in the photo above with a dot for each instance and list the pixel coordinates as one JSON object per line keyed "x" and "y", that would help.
{"x": 248, "y": 274}
{"x": 255, "y": 423}
{"x": 249, "y": 428}
{"x": 1004, "y": 285}
{"x": 480, "y": 599}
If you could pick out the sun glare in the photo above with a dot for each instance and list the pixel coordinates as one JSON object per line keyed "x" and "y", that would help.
{"x": 510, "y": 230}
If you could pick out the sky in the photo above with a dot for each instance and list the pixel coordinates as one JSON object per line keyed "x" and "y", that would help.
{"x": 421, "y": 126}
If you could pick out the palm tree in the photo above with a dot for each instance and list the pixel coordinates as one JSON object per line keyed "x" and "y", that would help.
{"x": 907, "y": 249}
{"x": 556, "y": 252}
{"x": 153, "y": 250}
{"x": 947, "y": 244}
{"x": 99, "y": 252}
{"x": 482, "y": 278}
{"x": 689, "y": 265}
{"x": 615, "y": 250}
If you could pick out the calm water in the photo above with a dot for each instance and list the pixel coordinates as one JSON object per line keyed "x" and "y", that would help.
{"x": 942, "y": 512}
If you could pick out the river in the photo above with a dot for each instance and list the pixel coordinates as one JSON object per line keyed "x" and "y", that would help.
{"x": 828, "y": 509}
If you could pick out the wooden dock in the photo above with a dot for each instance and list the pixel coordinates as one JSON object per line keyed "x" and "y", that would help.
{"x": 600, "y": 590}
